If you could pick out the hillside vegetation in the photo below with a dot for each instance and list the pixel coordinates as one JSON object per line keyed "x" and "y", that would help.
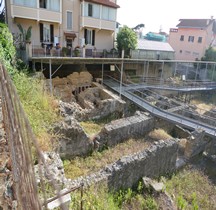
{"x": 40, "y": 107}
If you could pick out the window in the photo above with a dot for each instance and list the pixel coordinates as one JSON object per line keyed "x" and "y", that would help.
{"x": 105, "y": 13}
{"x": 27, "y": 3}
{"x": 90, "y": 10}
{"x": 53, "y": 5}
{"x": 69, "y": 20}
{"x": 182, "y": 38}
{"x": 46, "y": 32}
{"x": 108, "y": 13}
{"x": 89, "y": 36}
{"x": 199, "y": 39}
{"x": 191, "y": 39}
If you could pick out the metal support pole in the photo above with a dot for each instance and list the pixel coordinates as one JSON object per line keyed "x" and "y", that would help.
{"x": 41, "y": 65}
{"x": 196, "y": 72}
{"x": 206, "y": 71}
{"x": 213, "y": 73}
{"x": 34, "y": 66}
{"x": 102, "y": 73}
{"x": 176, "y": 64}
{"x": 162, "y": 71}
{"x": 186, "y": 72}
{"x": 122, "y": 65}
{"x": 147, "y": 73}
{"x": 50, "y": 74}
{"x": 144, "y": 67}
{"x": 81, "y": 203}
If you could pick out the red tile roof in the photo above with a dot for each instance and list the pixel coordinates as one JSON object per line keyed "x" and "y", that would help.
{"x": 194, "y": 23}
{"x": 104, "y": 2}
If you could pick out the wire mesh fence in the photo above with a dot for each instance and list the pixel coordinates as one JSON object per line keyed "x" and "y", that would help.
{"x": 20, "y": 139}
{"x": 22, "y": 145}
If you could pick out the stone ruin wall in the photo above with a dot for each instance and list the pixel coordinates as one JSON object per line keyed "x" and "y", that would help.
{"x": 74, "y": 141}
{"x": 122, "y": 129}
{"x": 159, "y": 159}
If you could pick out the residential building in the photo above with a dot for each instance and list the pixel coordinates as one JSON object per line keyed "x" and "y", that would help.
{"x": 153, "y": 50}
{"x": 68, "y": 23}
{"x": 192, "y": 37}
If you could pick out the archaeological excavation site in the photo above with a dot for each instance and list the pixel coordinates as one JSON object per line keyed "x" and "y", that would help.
{"x": 117, "y": 135}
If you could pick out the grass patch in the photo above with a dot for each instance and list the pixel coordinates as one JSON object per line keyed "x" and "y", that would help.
{"x": 98, "y": 197}
{"x": 91, "y": 128}
{"x": 40, "y": 107}
{"x": 94, "y": 126}
{"x": 159, "y": 134}
{"x": 192, "y": 190}
{"x": 83, "y": 166}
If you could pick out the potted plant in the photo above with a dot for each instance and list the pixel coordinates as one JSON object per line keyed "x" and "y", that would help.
{"x": 64, "y": 51}
{"x": 77, "y": 51}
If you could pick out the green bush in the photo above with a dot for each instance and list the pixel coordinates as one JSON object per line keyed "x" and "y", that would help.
{"x": 7, "y": 49}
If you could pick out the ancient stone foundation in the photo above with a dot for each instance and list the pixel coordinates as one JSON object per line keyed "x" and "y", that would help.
{"x": 131, "y": 127}
{"x": 159, "y": 159}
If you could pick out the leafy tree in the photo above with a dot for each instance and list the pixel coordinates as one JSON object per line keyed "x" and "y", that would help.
{"x": 7, "y": 49}
{"x": 126, "y": 40}
{"x": 210, "y": 55}
{"x": 139, "y": 26}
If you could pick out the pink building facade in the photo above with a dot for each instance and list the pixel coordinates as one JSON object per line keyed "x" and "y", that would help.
{"x": 192, "y": 37}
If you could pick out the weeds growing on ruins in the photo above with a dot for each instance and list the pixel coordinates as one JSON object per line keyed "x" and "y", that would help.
{"x": 191, "y": 189}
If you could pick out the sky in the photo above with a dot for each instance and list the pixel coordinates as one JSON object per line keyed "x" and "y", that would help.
{"x": 158, "y": 14}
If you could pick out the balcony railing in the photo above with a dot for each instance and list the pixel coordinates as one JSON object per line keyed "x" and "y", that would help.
{"x": 35, "y": 13}
{"x": 50, "y": 51}
{"x": 98, "y": 23}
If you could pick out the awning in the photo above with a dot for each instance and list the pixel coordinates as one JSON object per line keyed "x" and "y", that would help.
{"x": 69, "y": 35}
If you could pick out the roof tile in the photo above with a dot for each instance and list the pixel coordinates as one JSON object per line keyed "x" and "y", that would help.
{"x": 194, "y": 23}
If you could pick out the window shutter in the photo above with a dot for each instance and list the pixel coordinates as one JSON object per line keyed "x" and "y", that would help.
{"x": 93, "y": 37}
{"x": 85, "y": 36}
{"x": 41, "y": 32}
{"x": 52, "y": 33}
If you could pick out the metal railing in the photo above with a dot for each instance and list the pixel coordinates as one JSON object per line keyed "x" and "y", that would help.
{"x": 173, "y": 117}
{"x": 51, "y": 51}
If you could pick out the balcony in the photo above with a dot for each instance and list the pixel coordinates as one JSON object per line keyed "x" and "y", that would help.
{"x": 35, "y": 13}
{"x": 98, "y": 23}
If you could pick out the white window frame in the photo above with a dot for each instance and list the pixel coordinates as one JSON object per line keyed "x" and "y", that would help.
{"x": 67, "y": 12}
{"x": 46, "y": 32}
